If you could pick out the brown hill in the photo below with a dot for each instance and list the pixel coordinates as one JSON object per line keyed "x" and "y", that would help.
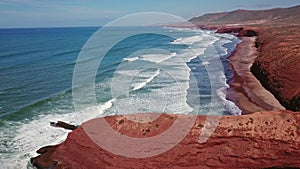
{"x": 271, "y": 15}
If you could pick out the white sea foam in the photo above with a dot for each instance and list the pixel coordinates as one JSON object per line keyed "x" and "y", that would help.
{"x": 198, "y": 51}
{"x": 171, "y": 29}
{"x": 167, "y": 95}
{"x": 229, "y": 106}
{"x": 141, "y": 85}
{"x": 167, "y": 91}
{"x": 188, "y": 40}
{"x": 162, "y": 98}
{"x": 157, "y": 58}
{"x": 225, "y": 36}
{"x": 131, "y": 59}
{"x": 94, "y": 112}
{"x": 205, "y": 63}
{"x": 220, "y": 82}
{"x": 31, "y": 135}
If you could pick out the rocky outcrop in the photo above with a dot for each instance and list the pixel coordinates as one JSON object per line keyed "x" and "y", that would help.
{"x": 248, "y": 33}
{"x": 229, "y": 30}
{"x": 239, "y": 31}
{"x": 259, "y": 140}
{"x": 64, "y": 125}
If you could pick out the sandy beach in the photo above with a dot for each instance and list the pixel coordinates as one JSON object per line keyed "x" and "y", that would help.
{"x": 245, "y": 90}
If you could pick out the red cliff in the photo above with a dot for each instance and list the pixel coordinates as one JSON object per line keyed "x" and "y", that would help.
{"x": 277, "y": 65}
{"x": 259, "y": 140}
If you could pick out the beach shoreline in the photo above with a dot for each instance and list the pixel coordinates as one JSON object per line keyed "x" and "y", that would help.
{"x": 245, "y": 89}
{"x": 270, "y": 66}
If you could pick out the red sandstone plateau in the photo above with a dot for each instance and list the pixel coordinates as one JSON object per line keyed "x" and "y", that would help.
{"x": 259, "y": 140}
{"x": 265, "y": 136}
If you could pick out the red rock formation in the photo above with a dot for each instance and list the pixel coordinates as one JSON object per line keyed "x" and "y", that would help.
{"x": 229, "y": 29}
{"x": 64, "y": 125}
{"x": 277, "y": 66}
{"x": 248, "y": 33}
{"x": 239, "y": 31}
{"x": 259, "y": 140}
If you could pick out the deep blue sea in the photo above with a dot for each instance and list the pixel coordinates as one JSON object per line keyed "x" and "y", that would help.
{"x": 142, "y": 73}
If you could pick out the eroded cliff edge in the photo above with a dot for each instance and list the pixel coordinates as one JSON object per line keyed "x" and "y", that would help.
{"x": 259, "y": 140}
{"x": 277, "y": 65}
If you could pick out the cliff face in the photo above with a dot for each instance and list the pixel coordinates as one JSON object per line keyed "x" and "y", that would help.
{"x": 239, "y": 31}
{"x": 277, "y": 65}
{"x": 259, "y": 140}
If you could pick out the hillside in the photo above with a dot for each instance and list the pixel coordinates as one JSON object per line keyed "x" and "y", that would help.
{"x": 278, "y": 15}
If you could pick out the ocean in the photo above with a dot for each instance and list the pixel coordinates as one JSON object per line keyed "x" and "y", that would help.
{"x": 142, "y": 73}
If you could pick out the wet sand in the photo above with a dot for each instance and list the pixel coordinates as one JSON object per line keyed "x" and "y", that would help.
{"x": 245, "y": 90}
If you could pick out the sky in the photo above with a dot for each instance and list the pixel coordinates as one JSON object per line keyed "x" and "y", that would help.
{"x": 60, "y": 13}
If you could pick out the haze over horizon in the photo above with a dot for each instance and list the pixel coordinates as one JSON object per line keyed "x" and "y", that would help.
{"x": 63, "y": 13}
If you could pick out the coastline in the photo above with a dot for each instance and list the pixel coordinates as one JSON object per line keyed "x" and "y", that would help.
{"x": 259, "y": 140}
{"x": 265, "y": 78}
{"x": 245, "y": 89}
{"x": 266, "y": 132}
{"x": 271, "y": 67}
